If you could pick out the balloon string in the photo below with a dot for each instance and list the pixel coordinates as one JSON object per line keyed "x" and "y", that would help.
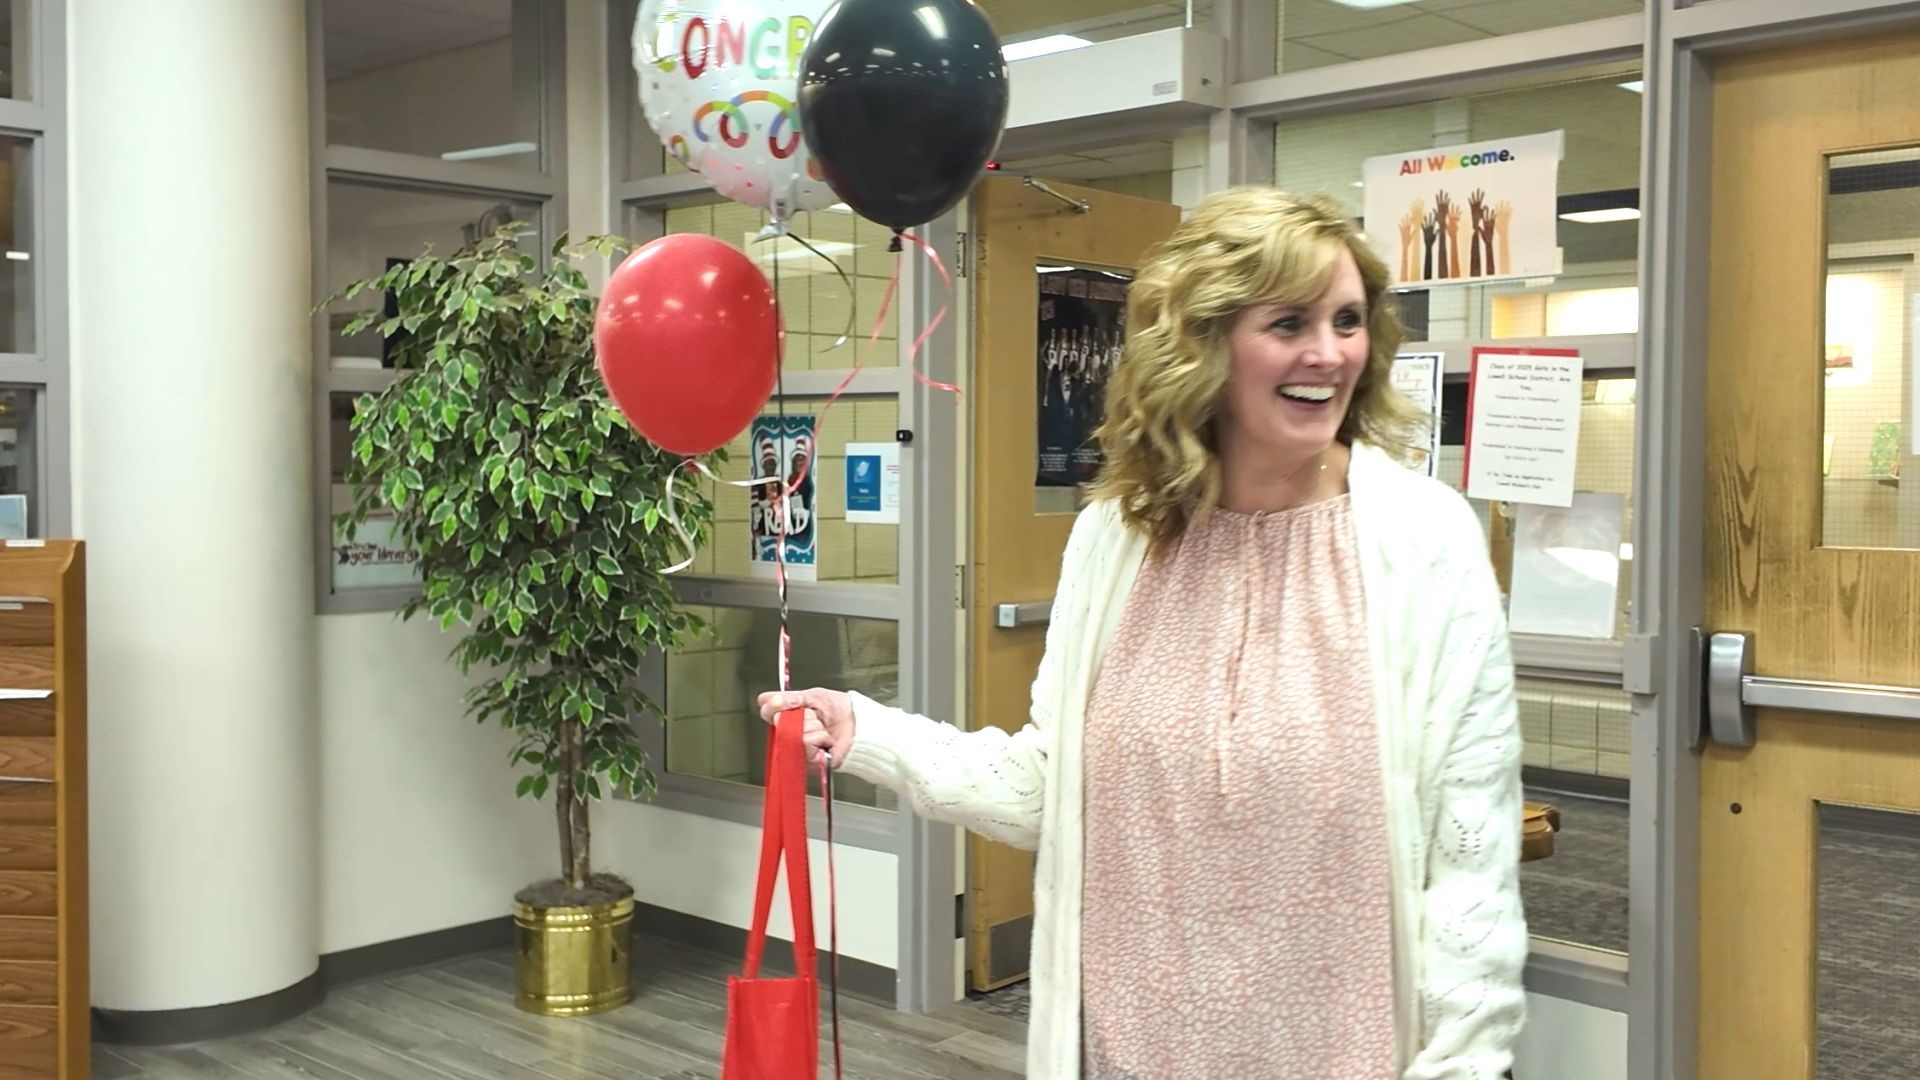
{"x": 673, "y": 516}
{"x": 940, "y": 316}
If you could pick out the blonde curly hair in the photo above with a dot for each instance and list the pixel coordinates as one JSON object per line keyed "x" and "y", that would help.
{"x": 1240, "y": 247}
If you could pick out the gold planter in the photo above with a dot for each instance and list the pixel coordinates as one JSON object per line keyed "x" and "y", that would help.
{"x": 573, "y": 961}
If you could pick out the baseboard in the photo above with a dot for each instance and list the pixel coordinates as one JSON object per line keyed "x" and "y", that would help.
{"x": 1611, "y": 788}
{"x": 860, "y": 978}
{"x": 167, "y": 1027}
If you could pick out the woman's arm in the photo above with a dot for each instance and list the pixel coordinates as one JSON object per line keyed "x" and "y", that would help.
{"x": 1474, "y": 938}
{"x": 989, "y": 781}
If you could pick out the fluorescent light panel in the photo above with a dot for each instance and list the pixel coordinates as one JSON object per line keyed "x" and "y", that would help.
{"x": 1367, "y": 5}
{"x": 1637, "y": 86}
{"x": 480, "y": 153}
{"x": 1043, "y": 46}
{"x": 1601, "y": 217}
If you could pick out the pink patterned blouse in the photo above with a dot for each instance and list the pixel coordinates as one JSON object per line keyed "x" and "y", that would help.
{"x": 1237, "y": 908}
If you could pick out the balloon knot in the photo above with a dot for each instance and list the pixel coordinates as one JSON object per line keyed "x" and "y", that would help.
{"x": 895, "y": 246}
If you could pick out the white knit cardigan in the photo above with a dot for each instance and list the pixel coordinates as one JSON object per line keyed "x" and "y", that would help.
{"x": 1449, "y": 755}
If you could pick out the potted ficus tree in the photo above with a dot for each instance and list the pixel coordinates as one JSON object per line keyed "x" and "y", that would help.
{"x": 538, "y": 519}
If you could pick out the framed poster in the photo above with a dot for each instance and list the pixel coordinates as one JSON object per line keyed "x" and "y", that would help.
{"x": 1482, "y": 212}
{"x": 1523, "y": 425}
{"x": 1417, "y": 377}
{"x": 1082, "y": 326}
{"x": 782, "y": 446}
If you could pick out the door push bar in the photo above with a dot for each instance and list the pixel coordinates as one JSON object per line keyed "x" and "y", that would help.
{"x": 1733, "y": 692}
{"x": 1008, "y": 616}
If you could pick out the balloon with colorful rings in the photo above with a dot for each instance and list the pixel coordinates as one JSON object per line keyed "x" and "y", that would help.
{"x": 718, "y": 81}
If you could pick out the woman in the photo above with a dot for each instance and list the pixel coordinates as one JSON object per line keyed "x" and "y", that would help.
{"x": 1272, "y": 768}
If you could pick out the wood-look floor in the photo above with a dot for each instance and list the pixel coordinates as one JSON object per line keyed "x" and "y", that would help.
{"x": 457, "y": 1022}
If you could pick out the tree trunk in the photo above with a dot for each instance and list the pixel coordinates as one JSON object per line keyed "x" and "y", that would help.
{"x": 570, "y": 807}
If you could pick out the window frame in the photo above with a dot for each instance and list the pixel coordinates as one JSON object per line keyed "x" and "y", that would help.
{"x": 45, "y": 372}
{"x": 546, "y": 188}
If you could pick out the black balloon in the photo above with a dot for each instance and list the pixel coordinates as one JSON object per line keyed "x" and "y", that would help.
{"x": 903, "y": 103}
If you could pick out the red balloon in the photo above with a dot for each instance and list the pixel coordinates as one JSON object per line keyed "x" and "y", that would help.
{"x": 688, "y": 340}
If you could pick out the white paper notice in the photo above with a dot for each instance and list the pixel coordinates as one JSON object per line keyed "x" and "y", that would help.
{"x": 1566, "y": 568}
{"x": 873, "y": 483}
{"x": 1523, "y": 426}
{"x": 1417, "y": 377}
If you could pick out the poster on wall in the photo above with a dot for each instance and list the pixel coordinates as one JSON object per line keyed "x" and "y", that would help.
{"x": 1566, "y": 567}
{"x": 1082, "y": 326}
{"x": 873, "y": 483}
{"x": 1481, "y": 212}
{"x": 1417, "y": 377}
{"x": 781, "y": 447}
{"x": 1523, "y": 425}
{"x": 373, "y": 557}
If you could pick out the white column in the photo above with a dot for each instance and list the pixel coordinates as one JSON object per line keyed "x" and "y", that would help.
{"x": 193, "y": 450}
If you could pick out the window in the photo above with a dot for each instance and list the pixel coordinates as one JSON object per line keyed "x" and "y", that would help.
{"x": 437, "y": 123}
{"x": 1574, "y": 715}
{"x": 1320, "y": 33}
{"x": 458, "y": 82}
{"x": 35, "y": 383}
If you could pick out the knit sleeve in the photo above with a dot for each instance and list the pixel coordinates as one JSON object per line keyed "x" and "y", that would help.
{"x": 1474, "y": 941}
{"x": 989, "y": 780}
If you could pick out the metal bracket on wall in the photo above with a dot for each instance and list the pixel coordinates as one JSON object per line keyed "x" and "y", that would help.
{"x": 1076, "y": 205}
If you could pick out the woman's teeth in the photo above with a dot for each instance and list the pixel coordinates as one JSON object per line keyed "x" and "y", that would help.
{"x": 1301, "y": 392}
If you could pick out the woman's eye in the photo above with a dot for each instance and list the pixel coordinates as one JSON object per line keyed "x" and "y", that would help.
{"x": 1348, "y": 321}
{"x": 1287, "y": 324}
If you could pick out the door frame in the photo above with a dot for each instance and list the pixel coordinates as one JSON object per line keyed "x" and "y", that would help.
{"x": 1663, "y": 661}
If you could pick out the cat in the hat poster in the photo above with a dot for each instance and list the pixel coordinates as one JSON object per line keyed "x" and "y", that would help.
{"x": 784, "y": 447}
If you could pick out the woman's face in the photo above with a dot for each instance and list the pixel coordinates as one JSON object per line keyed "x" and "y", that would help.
{"x": 1294, "y": 368}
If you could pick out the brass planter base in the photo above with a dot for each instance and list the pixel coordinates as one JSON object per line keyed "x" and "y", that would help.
{"x": 573, "y": 961}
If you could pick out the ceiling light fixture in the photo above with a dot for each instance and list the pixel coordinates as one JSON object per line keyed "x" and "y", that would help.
{"x": 1043, "y": 46}
{"x": 480, "y": 153}
{"x": 1637, "y": 86}
{"x": 1602, "y": 217}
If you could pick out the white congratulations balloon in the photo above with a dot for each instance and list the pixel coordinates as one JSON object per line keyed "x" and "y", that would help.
{"x": 718, "y": 80}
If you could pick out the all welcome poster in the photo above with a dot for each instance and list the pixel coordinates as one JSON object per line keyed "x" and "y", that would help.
{"x": 1478, "y": 212}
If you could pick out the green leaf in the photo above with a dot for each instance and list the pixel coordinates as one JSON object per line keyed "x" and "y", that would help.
{"x": 515, "y": 621}
{"x": 600, "y": 586}
{"x": 410, "y": 477}
{"x": 652, "y": 518}
{"x": 599, "y": 486}
{"x": 526, "y": 785}
{"x": 609, "y": 566}
{"x": 540, "y": 787}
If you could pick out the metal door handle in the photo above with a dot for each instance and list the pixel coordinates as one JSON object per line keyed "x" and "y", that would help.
{"x": 1037, "y": 613}
{"x": 1733, "y": 692}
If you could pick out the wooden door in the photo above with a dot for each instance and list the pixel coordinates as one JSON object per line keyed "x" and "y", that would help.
{"x": 1796, "y": 135}
{"x": 1020, "y": 530}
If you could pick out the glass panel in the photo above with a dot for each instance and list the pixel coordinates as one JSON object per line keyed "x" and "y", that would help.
{"x": 371, "y": 557}
{"x": 372, "y": 226}
{"x": 1868, "y": 898}
{"x": 1317, "y": 33}
{"x": 18, "y": 285}
{"x": 1578, "y": 745}
{"x": 813, "y": 299}
{"x": 1873, "y": 230}
{"x": 841, "y": 551}
{"x": 713, "y": 725}
{"x": 1604, "y": 466}
{"x": 1029, "y": 29}
{"x": 461, "y": 82}
{"x": 20, "y": 491}
{"x": 16, "y": 50}
{"x": 1598, "y": 207}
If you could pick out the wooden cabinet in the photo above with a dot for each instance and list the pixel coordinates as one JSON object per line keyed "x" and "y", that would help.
{"x": 44, "y": 1019}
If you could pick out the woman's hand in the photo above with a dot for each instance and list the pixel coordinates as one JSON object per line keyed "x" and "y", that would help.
{"x": 829, "y": 730}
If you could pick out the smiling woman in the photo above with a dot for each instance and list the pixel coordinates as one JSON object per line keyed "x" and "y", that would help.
{"x": 1260, "y": 599}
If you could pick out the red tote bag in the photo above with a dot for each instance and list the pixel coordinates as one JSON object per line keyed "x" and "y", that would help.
{"x": 773, "y": 1025}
